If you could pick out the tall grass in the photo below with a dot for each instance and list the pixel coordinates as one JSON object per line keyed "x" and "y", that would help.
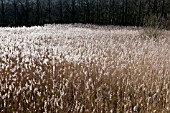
{"x": 65, "y": 68}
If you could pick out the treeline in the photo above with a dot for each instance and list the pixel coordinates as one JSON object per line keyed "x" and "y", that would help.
{"x": 115, "y": 12}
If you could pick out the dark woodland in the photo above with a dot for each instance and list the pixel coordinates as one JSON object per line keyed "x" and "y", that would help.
{"x": 101, "y": 12}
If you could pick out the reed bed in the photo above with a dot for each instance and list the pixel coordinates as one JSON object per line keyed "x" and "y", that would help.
{"x": 83, "y": 69}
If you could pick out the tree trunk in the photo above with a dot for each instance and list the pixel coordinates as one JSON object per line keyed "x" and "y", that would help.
{"x": 98, "y": 12}
{"x": 155, "y": 8}
{"x": 49, "y": 11}
{"x": 38, "y": 11}
{"x": 113, "y": 12}
{"x": 126, "y": 12}
{"x": 73, "y": 11}
{"x": 87, "y": 11}
{"x": 27, "y": 12}
{"x": 139, "y": 13}
{"x": 15, "y": 12}
{"x": 97, "y": 18}
{"x": 163, "y": 6}
{"x": 61, "y": 11}
{"x": 110, "y": 7}
{"x": 3, "y": 11}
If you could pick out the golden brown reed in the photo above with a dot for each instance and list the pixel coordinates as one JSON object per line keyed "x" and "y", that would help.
{"x": 132, "y": 76}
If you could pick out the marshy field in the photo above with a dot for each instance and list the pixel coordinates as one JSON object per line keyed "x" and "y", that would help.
{"x": 84, "y": 69}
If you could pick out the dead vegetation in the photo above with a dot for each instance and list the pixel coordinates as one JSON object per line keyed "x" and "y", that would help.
{"x": 111, "y": 71}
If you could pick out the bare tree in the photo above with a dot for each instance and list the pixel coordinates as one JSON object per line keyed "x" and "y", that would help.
{"x": 125, "y": 14}
{"x": 87, "y": 4}
{"x": 61, "y": 11}
{"x": 163, "y": 9}
{"x": 118, "y": 12}
{"x": 155, "y": 8}
{"x": 73, "y": 11}
{"x": 37, "y": 11}
{"x": 27, "y": 11}
{"x": 3, "y": 11}
{"x": 110, "y": 10}
{"x": 49, "y": 11}
{"x": 98, "y": 11}
{"x": 139, "y": 12}
{"x": 15, "y": 12}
